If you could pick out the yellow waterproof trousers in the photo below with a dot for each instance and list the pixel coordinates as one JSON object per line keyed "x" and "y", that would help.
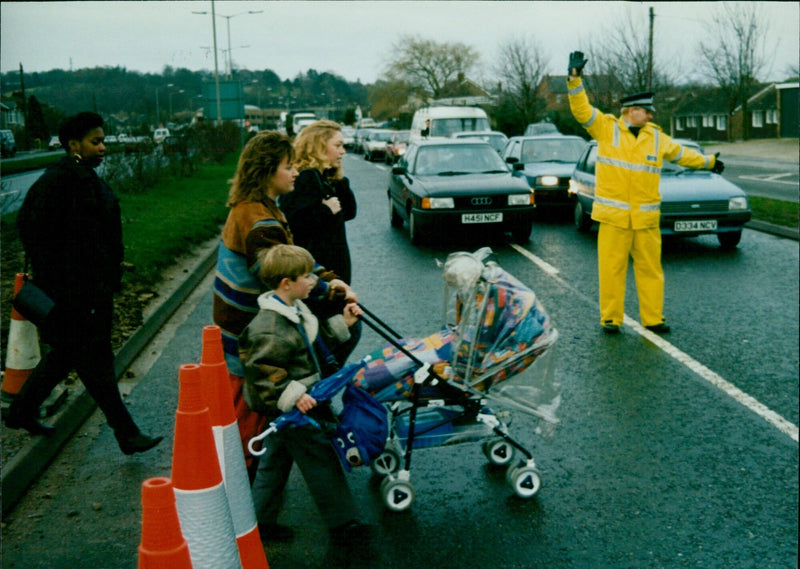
{"x": 614, "y": 247}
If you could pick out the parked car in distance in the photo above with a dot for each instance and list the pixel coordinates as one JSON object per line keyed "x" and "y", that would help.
{"x": 459, "y": 186}
{"x": 548, "y": 162}
{"x": 349, "y": 137}
{"x": 396, "y": 147}
{"x": 374, "y": 143}
{"x": 8, "y": 144}
{"x": 693, "y": 202}
{"x": 54, "y": 143}
{"x": 361, "y": 133}
{"x": 495, "y": 138}
{"x": 174, "y": 145}
{"x": 542, "y": 127}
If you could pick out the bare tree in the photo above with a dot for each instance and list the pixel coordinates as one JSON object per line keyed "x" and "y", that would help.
{"x": 734, "y": 53}
{"x": 429, "y": 64}
{"x": 521, "y": 66}
{"x": 622, "y": 51}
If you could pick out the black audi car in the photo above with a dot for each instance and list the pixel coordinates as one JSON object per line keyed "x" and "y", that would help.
{"x": 460, "y": 186}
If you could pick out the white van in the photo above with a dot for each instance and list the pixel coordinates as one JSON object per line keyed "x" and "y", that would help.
{"x": 302, "y": 120}
{"x": 447, "y": 120}
{"x": 160, "y": 134}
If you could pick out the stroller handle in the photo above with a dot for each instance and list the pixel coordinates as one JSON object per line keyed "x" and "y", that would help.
{"x": 267, "y": 432}
{"x": 379, "y": 321}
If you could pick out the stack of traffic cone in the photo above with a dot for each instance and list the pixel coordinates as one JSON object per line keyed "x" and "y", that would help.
{"x": 22, "y": 354}
{"x": 162, "y": 545}
{"x": 202, "y": 504}
{"x": 217, "y": 388}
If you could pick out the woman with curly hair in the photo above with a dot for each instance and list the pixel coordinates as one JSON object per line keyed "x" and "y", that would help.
{"x": 265, "y": 171}
{"x": 322, "y": 201}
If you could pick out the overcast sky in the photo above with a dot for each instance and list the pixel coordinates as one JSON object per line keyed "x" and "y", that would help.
{"x": 351, "y": 39}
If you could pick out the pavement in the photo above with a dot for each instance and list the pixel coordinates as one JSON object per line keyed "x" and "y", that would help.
{"x": 179, "y": 281}
{"x": 784, "y": 150}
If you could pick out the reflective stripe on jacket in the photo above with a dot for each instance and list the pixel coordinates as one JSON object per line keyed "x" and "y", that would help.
{"x": 628, "y": 167}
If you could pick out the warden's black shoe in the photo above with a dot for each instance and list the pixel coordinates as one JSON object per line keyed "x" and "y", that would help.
{"x": 31, "y": 425}
{"x": 611, "y": 328}
{"x": 139, "y": 443}
{"x": 659, "y": 328}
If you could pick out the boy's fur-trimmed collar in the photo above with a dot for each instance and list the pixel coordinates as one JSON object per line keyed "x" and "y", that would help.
{"x": 268, "y": 301}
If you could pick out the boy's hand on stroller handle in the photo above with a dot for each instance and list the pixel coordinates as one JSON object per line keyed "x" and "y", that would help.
{"x": 306, "y": 403}
{"x": 351, "y": 313}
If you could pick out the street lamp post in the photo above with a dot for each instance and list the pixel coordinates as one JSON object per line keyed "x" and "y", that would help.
{"x": 228, "y": 18}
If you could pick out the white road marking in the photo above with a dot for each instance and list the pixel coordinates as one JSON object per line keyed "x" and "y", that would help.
{"x": 772, "y": 178}
{"x": 541, "y": 263}
{"x": 749, "y": 402}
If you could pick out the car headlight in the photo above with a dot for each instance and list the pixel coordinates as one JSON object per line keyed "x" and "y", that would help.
{"x": 737, "y": 203}
{"x": 520, "y": 199}
{"x": 438, "y": 203}
{"x": 547, "y": 180}
{"x": 401, "y": 151}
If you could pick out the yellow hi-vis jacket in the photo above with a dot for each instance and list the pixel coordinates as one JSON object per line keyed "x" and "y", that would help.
{"x": 628, "y": 167}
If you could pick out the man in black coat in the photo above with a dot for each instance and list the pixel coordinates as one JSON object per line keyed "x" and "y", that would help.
{"x": 70, "y": 227}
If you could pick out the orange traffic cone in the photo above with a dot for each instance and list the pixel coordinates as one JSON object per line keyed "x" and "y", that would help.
{"x": 23, "y": 353}
{"x": 199, "y": 491}
{"x": 162, "y": 545}
{"x": 216, "y": 384}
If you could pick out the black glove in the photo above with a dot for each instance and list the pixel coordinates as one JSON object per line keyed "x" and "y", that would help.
{"x": 718, "y": 165}
{"x": 576, "y": 62}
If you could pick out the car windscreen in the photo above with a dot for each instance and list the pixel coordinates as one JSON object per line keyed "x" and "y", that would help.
{"x": 552, "y": 150}
{"x": 381, "y": 136}
{"x": 446, "y": 127}
{"x": 453, "y": 160}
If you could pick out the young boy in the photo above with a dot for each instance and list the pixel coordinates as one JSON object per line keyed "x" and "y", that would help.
{"x": 281, "y": 353}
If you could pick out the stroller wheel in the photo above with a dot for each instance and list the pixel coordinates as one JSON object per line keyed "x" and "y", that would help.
{"x": 386, "y": 463}
{"x": 397, "y": 494}
{"x": 525, "y": 480}
{"x": 498, "y": 451}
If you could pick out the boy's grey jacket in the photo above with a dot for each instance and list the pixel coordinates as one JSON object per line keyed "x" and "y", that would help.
{"x": 278, "y": 364}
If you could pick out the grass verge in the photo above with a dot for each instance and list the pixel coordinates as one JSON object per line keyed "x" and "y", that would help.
{"x": 175, "y": 214}
{"x": 773, "y": 211}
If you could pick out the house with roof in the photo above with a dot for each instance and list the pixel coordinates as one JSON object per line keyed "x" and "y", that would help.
{"x": 604, "y": 91}
{"x": 703, "y": 114}
{"x": 10, "y": 115}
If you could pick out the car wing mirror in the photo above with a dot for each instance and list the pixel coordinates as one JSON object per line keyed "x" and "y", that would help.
{"x": 398, "y": 170}
{"x": 517, "y": 166}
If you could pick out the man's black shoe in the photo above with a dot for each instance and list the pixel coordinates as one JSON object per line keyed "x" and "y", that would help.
{"x": 611, "y": 328}
{"x": 659, "y": 328}
{"x": 275, "y": 532}
{"x": 31, "y": 425}
{"x": 139, "y": 443}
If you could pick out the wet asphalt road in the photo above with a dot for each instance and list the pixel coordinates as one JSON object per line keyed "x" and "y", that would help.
{"x": 658, "y": 461}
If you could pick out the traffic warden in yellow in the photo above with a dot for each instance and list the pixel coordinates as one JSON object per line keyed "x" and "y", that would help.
{"x": 627, "y": 203}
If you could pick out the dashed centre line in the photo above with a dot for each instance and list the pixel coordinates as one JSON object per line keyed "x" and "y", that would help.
{"x": 749, "y": 402}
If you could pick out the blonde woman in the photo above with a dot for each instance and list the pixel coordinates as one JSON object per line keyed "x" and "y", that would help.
{"x": 265, "y": 172}
{"x": 322, "y": 201}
